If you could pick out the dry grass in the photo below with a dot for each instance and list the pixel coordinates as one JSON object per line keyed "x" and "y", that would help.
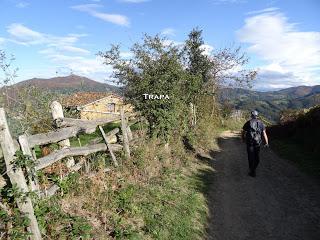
{"x": 147, "y": 197}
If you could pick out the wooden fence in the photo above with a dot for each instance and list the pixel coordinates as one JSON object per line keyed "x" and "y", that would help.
{"x": 66, "y": 128}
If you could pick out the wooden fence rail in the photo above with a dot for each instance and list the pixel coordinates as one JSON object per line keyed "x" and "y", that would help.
{"x": 66, "y": 128}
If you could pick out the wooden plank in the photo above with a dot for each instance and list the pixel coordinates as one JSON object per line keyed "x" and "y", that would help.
{"x": 113, "y": 132}
{"x": 50, "y": 191}
{"x": 61, "y": 134}
{"x": 71, "y": 152}
{"x": 68, "y": 122}
{"x": 15, "y": 143}
{"x": 2, "y": 183}
{"x": 16, "y": 175}
{"x": 57, "y": 112}
{"x": 33, "y": 181}
{"x": 56, "y": 136}
{"x": 114, "y": 159}
{"x": 108, "y": 113}
{"x": 124, "y": 134}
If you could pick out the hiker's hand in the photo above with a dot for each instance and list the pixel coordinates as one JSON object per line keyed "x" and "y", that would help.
{"x": 266, "y": 145}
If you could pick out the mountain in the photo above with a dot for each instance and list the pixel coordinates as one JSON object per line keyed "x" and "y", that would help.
{"x": 271, "y": 103}
{"x": 68, "y": 84}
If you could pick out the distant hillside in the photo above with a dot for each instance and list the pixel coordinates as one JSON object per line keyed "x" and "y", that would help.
{"x": 270, "y": 104}
{"x": 68, "y": 84}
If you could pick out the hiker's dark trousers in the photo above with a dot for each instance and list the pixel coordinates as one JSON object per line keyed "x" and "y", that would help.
{"x": 253, "y": 156}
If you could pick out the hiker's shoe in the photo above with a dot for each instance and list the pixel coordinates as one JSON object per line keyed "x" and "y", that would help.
{"x": 252, "y": 174}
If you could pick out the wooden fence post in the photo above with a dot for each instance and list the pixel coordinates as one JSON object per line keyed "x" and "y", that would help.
{"x": 129, "y": 132}
{"x": 16, "y": 175}
{"x": 57, "y": 113}
{"x": 27, "y": 151}
{"x": 124, "y": 134}
{"x": 109, "y": 148}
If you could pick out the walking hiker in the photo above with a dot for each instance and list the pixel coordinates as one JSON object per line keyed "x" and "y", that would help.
{"x": 252, "y": 133}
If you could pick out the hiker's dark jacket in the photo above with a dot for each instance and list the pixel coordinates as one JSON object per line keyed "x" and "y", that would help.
{"x": 246, "y": 128}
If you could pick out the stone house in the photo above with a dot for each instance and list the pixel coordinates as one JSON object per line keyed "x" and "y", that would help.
{"x": 96, "y": 105}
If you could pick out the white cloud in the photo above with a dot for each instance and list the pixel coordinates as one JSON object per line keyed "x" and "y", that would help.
{"x": 284, "y": 48}
{"x": 168, "y": 42}
{"x": 66, "y": 48}
{"x": 86, "y": 7}
{"x": 61, "y": 51}
{"x": 168, "y": 32}
{"x": 22, "y": 5}
{"x": 23, "y": 35}
{"x": 207, "y": 49}
{"x": 2, "y": 40}
{"x": 113, "y": 18}
{"x": 80, "y": 64}
{"x": 271, "y": 9}
{"x": 90, "y": 67}
{"x": 108, "y": 17}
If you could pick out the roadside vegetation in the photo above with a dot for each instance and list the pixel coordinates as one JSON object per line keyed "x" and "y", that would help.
{"x": 155, "y": 194}
{"x": 296, "y": 138}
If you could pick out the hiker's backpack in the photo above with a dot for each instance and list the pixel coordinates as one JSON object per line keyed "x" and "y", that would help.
{"x": 255, "y": 133}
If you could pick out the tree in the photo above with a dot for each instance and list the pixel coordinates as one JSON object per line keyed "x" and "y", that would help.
{"x": 197, "y": 62}
{"x": 184, "y": 73}
{"x": 27, "y": 107}
{"x": 227, "y": 69}
{"x": 155, "y": 68}
{"x": 8, "y": 74}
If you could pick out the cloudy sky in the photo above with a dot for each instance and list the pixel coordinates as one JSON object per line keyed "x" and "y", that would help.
{"x": 50, "y": 38}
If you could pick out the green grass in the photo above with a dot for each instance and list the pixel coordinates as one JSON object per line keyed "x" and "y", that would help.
{"x": 232, "y": 124}
{"x": 152, "y": 196}
{"x": 170, "y": 209}
{"x": 307, "y": 161}
{"x": 86, "y": 138}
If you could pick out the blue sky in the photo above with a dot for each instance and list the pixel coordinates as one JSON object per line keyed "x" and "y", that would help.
{"x": 49, "y": 38}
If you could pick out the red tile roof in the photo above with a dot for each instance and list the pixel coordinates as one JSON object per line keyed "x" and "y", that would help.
{"x": 83, "y": 98}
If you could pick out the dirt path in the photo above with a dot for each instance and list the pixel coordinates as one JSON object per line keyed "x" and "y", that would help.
{"x": 280, "y": 203}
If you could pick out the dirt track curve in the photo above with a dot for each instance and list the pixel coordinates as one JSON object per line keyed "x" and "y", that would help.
{"x": 281, "y": 203}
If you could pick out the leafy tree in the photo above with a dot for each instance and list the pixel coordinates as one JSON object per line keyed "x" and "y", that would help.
{"x": 155, "y": 68}
{"x": 7, "y": 74}
{"x": 198, "y": 64}
{"x": 27, "y": 108}
{"x": 185, "y": 73}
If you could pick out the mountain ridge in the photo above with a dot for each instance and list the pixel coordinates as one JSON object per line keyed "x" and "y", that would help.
{"x": 271, "y": 103}
{"x": 68, "y": 84}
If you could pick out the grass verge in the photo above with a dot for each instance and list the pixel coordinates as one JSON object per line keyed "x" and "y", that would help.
{"x": 304, "y": 159}
{"x": 152, "y": 196}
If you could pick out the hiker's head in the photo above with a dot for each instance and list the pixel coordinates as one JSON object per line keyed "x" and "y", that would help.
{"x": 254, "y": 114}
